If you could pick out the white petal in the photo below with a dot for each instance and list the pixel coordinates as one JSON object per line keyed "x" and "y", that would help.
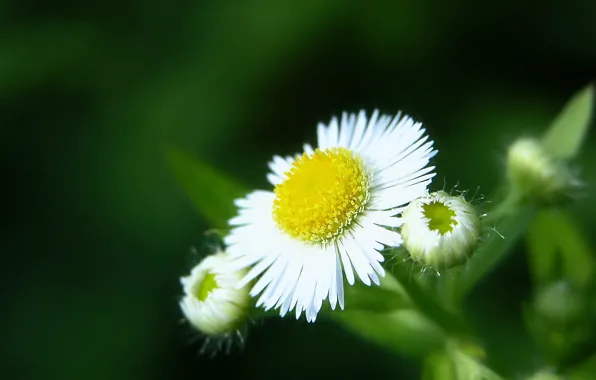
{"x": 257, "y": 270}
{"x": 345, "y": 131}
{"x": 274, "y": 271}
{"x": 288, "y": 282}
{"x": 274, "y": 179}
{"x": 308, "y": 149}
{"x": 322, "y": 140}
{"x": 347, "y": 265}
{"x": 340, "y": 287}
{"x": 333, "y": 287}
{"x": 359, "y": 132}
{"x": 384, "y": 218}
{"x": 324, "y": 277}
{"x": 279, "y": 166}
{"x": 358, "y": 259}
{"x": 333, "y": 133}
{"x": 397, "y": 196}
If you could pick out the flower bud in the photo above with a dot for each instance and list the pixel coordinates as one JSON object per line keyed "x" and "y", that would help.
{"x": 535, "y": 173}
{"x": 211, "y": 302}
{"x": 560, "y": 320}
{"x": 560, "y": 303}
{"x": 440, "y": 230}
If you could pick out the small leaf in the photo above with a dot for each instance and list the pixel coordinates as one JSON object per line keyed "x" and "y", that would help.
{"x": 467, "y": 368}
{"x": 404, "y": 331}
{"x": 211, "y": 192}
{"x": 438, "y": 366}
{"x": 557, "y": 250}
{"x": 568, "y": 130}
{"x": 545, "y": 375}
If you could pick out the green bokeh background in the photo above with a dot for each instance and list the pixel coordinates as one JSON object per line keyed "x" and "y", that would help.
{"x": 96, "y": 232}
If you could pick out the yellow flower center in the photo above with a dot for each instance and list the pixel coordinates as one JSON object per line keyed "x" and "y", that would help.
{"x": 322, "y": 195}
{"x": 440, "y": 217}
{"x": 202, "y": 289}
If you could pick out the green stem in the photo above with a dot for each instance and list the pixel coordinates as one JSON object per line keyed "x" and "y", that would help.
{"x": 429, "y": 304}
{"x": 506, "y": 207}
{"x": 509, "y": 219}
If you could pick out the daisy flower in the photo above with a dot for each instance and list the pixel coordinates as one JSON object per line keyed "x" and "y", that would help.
{"x": 332, "y": 211}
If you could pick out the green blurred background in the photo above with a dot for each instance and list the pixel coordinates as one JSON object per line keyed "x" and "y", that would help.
{"x": 97, "y": 232}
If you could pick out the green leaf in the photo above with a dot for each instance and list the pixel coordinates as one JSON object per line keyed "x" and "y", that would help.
{"x": 568, "y": 130}
{"x": 438, "y": 366}
{"x": 545, "y": 375}
{"x": 211, "y": 192}
{"x": 557, "y": 250}
{"x": 467, "y": 368}
{"x": 403, "y": 331}
{"x": 459, "y": 360}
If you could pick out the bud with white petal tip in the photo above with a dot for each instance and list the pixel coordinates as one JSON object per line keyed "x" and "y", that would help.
{"x": 211, "y": 302}
{"x": 534, "y": 172}
{"x": 440, "y": 230}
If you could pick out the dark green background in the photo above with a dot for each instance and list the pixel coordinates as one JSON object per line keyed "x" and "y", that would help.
{"x": 96, "y": 232}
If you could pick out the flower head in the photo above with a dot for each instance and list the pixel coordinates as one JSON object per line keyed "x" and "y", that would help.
{"x": 212, "y": 302}
{"x": 332, "y": 211}
{"x": 440, "y": 230}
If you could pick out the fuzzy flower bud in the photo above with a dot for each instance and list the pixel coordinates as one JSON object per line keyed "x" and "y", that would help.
{"x": 440, "y": 230}
{"x": 532, "y": 170}
{"x": 211, "y": 302}
{"x": 560, "y": 303}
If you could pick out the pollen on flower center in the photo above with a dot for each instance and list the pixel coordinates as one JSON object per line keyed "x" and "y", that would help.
{"x": 440, "y": 217}
{"x": 322, "y": 195}
{"x": 202, "y": 289}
